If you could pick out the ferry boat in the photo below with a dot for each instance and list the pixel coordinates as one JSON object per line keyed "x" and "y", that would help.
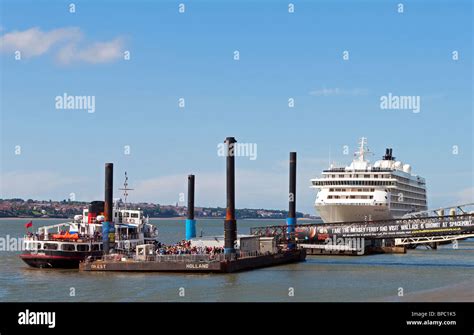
{"x": 66, "y": 244}
{"x": 365, "y": 192}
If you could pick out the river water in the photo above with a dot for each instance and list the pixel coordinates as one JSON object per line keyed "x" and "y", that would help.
{"x": 319, "y": 279}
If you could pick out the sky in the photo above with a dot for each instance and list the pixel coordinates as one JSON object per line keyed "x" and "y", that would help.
{"x": 335, "y": 59}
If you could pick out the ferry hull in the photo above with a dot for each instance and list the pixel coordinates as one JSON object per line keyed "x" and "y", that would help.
{"x": 56, "y": 259}
{"x": 347, "y": 213}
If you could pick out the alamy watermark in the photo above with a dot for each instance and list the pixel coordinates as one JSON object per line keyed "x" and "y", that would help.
{"x": 349, "y": 244}
{"x": 407, "y": 102}
{"x": 37, "y": 318}
{"x": 76, "y": 102}
{"x": 239, "y": 150}
{"x": 8, "y": 243}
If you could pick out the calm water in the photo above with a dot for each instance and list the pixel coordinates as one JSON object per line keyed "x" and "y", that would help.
{"x": 320, "y": 278}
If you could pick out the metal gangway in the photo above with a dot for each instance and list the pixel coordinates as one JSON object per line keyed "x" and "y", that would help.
{"x": 417, "y": 228}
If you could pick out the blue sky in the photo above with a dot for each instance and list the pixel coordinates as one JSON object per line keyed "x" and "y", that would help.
{"x": 190, "y": 55}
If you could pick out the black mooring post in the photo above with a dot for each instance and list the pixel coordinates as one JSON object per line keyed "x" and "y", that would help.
{"x": 230, "y": 224}
{"x": 291, "y": 220}
{"x": 190, "y": 222}
{"x": 108, "y": 231}
{"x": 191, "y": 197}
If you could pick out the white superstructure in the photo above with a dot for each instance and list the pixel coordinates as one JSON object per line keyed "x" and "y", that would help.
{"x": 365, "y": 192}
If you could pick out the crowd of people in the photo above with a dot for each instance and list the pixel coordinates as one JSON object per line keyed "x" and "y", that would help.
{"x": 184, "y": 248}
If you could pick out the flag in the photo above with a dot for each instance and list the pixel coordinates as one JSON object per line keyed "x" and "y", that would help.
{"x": 28, "y": 225}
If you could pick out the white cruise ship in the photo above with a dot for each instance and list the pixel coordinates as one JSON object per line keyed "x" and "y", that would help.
{"x": 365, "y": 192}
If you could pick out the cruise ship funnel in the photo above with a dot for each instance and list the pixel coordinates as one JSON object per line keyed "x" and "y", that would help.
{"x": 388, "y": 155}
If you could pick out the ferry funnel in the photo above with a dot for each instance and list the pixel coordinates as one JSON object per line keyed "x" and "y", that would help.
{"x": 190, "y": 222}
{"x": 230, "y": 223}
{"x": 291, "y": 220}
{"x": 108, "y": 231}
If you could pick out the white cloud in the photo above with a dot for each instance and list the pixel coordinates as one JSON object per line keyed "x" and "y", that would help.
{"x": 339, "y": 92}
{"x": 34, "y": 42}
{"x": 37, "y": 184}
{"x": 100, "y": 52}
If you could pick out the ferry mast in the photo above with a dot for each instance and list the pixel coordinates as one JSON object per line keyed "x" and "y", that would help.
{"x": 125, "y": 190}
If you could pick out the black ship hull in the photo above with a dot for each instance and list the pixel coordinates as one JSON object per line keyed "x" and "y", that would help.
{"x": 57, "y": 259}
